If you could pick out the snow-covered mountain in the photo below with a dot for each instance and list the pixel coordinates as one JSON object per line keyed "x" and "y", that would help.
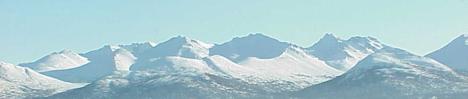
{"x": 250, "y": 67}
{"x": 65, "y": 59}
{"x": 344, "y": 54}
{"x": 273, "y": 60}
{"x": 85, "y": 68}
{"x": 166, "y": 85}
{"x": 177, "y": 70}
{"x": 178, "y": 46}
{"x": 253, "y": 45}
{"x": 103, "y": 62}
{"x": 186, "y": 68}
{"x": 454, "y": 55}
{"x": 23, "y": 83}
{"x": 392, "y": 73}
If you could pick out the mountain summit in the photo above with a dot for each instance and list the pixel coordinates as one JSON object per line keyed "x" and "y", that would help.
{"x": 343, "y": 54}
{"x": 65, "y": 59}
{"x": 250, "y": 67}
{"x": 393, "y": 73}
{"x": 253, "y": 45}
{"x": 179, "y": 46}
{"x": 455, "y": 54}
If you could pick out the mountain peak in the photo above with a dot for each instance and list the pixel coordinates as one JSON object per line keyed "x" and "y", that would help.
{"x": 343, "y": 54}
{"x": 330, "y": 37}
{"x": 462, "y": 40}
{"x": 391, "y": 73}
{"x": 256, "y": 37}
{"x": 454, "y": 54}
{"x": 66, "y": 51}
{"x": 253, "y": 45}
{"x": 259, "y": 35}
{"x": 65, "y": 59}
{"x": 465, "y": 35}
{"x": 180, "y": 38}
{"x": 179, "y": 46}
{"x": 183, "y": 40}
{"x": 399, "y": 59}
{"x": 328, "y": 40}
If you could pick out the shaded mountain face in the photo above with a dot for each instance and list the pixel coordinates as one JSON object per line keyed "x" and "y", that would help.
{"x": 344, "y": 54}
{"x": 454, "y": 55}
{"x": 393, "y": 74}
{"x": 57, "y": 61}
{"x": 253, "y": 45}
{"x": 23, "y": 83}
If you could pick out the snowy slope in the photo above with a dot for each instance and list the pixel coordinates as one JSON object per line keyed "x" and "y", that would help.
{"x": 294, "y": 65}
{"x": 65, "y": 59}
{"x": 393, "y": 74}
{"x": 274, "y": 61}
{"x": 180, "y": 73}
{"x": 454, "y": 55}
{"x": 19, "y": 82}
{"x": 179, "y": 46}
{"x": 104, "y": 62}
{"x": 178, "y": 54}
{"x": 343, "y": 54}
{"x": 181, "y": 68}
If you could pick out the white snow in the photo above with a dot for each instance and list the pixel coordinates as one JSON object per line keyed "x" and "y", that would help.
{"x": 401, "y": 61}
{"x": 293, "y": 65}
{"x": 392, "y": 73}
{"x": 256, "y": 59}
{"x": 123, "y": 60}
{"x": 344, "y": 54}
{"x": 65, "y": 59}
{"x": 179, "y": 46}
{"x": 104, "y": 61}
{"x": 19, "y": 82}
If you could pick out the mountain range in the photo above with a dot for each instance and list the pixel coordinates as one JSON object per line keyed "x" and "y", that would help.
{"x": 255, "y": 66}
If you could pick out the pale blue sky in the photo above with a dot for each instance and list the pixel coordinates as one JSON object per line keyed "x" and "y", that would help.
{"x": 30, "y": 29}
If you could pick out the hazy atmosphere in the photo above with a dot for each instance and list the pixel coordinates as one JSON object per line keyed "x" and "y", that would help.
{"x": 30, "y": 29}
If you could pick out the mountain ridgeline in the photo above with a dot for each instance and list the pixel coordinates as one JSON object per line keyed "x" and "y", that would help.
{"x": 255, "y": 66}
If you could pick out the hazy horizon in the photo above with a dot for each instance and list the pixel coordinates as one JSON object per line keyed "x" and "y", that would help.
{"x": 32, "y": 29}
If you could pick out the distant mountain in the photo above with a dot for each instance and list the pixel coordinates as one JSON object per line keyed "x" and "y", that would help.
{"x": 290, "y": 64}
{"x": 179, "y": 46}
{"x": 103, "y": 62}
{"x": 253, "y": 45}
{"x": 65, "y": 59}
{"x": 392, "y": 73}
{"x": 344, "y": 54}
{"x": 100, "y": 63}
{"x": 181, "y": 68}
{"x": 454, "y": 55}
{"x": 23, "y": 83}
{"x": 255, "y": 66}
{"x": 166, "y": 85}
{"x": 266, "y": 56}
